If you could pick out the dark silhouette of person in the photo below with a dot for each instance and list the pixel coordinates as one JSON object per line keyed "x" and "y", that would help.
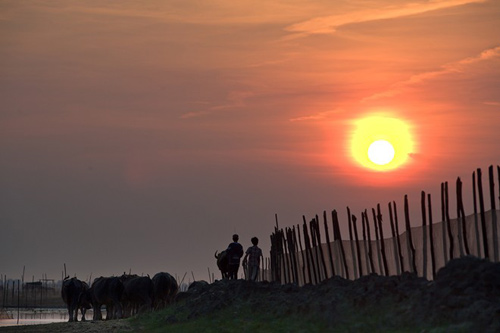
{"x": 234, "y": 253}
{"x": 253, "y": 253}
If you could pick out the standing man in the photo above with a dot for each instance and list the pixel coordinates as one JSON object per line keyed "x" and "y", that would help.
{"x": 254, "y": 253}
{"x": 234, "y": 253}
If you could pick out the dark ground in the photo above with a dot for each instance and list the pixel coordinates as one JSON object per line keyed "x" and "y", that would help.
{"x": 465, "y": 297}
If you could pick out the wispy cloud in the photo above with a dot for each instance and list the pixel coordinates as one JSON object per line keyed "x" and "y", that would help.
{"x": 454, "y": 67}
{"x": 235, "y": 99}
{"x": 316, "y": 116}
{"x": 329, "y": 24}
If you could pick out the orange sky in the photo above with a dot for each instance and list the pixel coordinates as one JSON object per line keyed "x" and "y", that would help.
{"x": 152, "y": 126}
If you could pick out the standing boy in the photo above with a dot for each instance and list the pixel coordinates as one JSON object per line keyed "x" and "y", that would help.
{"x": 254, "y": 253}
{"x": 234, "y": 254}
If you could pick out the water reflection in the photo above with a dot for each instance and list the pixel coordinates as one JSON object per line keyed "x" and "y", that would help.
{"x": 39, "y": 316}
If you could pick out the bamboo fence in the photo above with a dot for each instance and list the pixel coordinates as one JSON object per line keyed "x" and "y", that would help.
{"x": 307, "y": 253}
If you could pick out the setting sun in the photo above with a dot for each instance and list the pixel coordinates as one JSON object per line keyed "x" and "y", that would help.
{"x": 381, "y": 152}
{"x": 381, "y": 143}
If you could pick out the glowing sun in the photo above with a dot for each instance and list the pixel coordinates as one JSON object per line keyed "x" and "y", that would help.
{"x": 381, "y": 152}
{"x": 381, "y": 143}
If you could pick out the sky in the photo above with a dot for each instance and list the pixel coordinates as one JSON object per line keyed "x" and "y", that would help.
{"x": 139, "y": 136}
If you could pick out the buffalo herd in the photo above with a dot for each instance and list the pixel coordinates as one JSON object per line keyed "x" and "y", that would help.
{"x": 123, "y": 296}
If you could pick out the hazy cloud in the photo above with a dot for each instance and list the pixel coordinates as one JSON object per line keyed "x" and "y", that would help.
{"x": 316, "y": 116}
{"x": 454, "y": 67}
{"x": 235, "y": 99}
{"x": 329, "y": 24}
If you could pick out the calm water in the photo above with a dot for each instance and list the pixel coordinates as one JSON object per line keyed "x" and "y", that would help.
{"x": 40, "y": 316}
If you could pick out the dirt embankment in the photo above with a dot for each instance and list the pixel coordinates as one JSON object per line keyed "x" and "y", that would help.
{"x": 465, "y": 296}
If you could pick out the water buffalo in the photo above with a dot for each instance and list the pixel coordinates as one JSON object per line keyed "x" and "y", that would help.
{"x": 223, "y": 263}
{"x": 107, "y": 291}
{"x": 72, "y": 293}
{"x": 137, "y": 294}
{"x": 165, "y": 288}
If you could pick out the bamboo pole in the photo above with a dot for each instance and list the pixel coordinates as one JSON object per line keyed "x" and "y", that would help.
{"x": 431, "y": 237}
{"x": 493, "y": 213}
{"x": 444, "y": 226}
{"x": 320, "y": 247}
{"x": 314, "y": 247}
{"x": 275, "y": 257}
{"x": 409, "y": 237}
{"x": 395, "y": 241}
{"x": 448, "y": 221}
{"x": 377, "y": 242}
{"x": 351, "y": 238}
{"x": 329, "y": 245}
{"x": 310, "y": 261}
{"x": 424, "y": 234}
{"x": 396, "y": 224}
{"x": 338, "y": 237}
{"x": 498, "y": 173}
{"x": 382, "y": 241}
{"x": 293, "y": 250}
{"x": 296, "y": 251}
{"x": 461, "y": 214}
{"x": 476, "y": 222}
{"x": 18, "y": 300}
{"x": 460, "y": 222}
{"x": 24, "y": 289}
{"x": 355, "y": 229}
{"x": 483, "y": 217}
{"x": 369, "y": 243}
{"x": 287, "y": 257}
{"x": 368, "y": 271}
{"x": 303, "y": 255}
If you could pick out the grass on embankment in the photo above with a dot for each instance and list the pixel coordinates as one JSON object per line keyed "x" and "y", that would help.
{"x": 245, "y": 318}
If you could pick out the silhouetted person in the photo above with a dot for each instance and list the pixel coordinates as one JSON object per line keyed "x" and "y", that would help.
{"x": 253, "y": 253}
{"x": 234, "y": 253}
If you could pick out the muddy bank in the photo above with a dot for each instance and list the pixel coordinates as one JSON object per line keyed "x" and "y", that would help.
{"x": 465, "y": 296}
